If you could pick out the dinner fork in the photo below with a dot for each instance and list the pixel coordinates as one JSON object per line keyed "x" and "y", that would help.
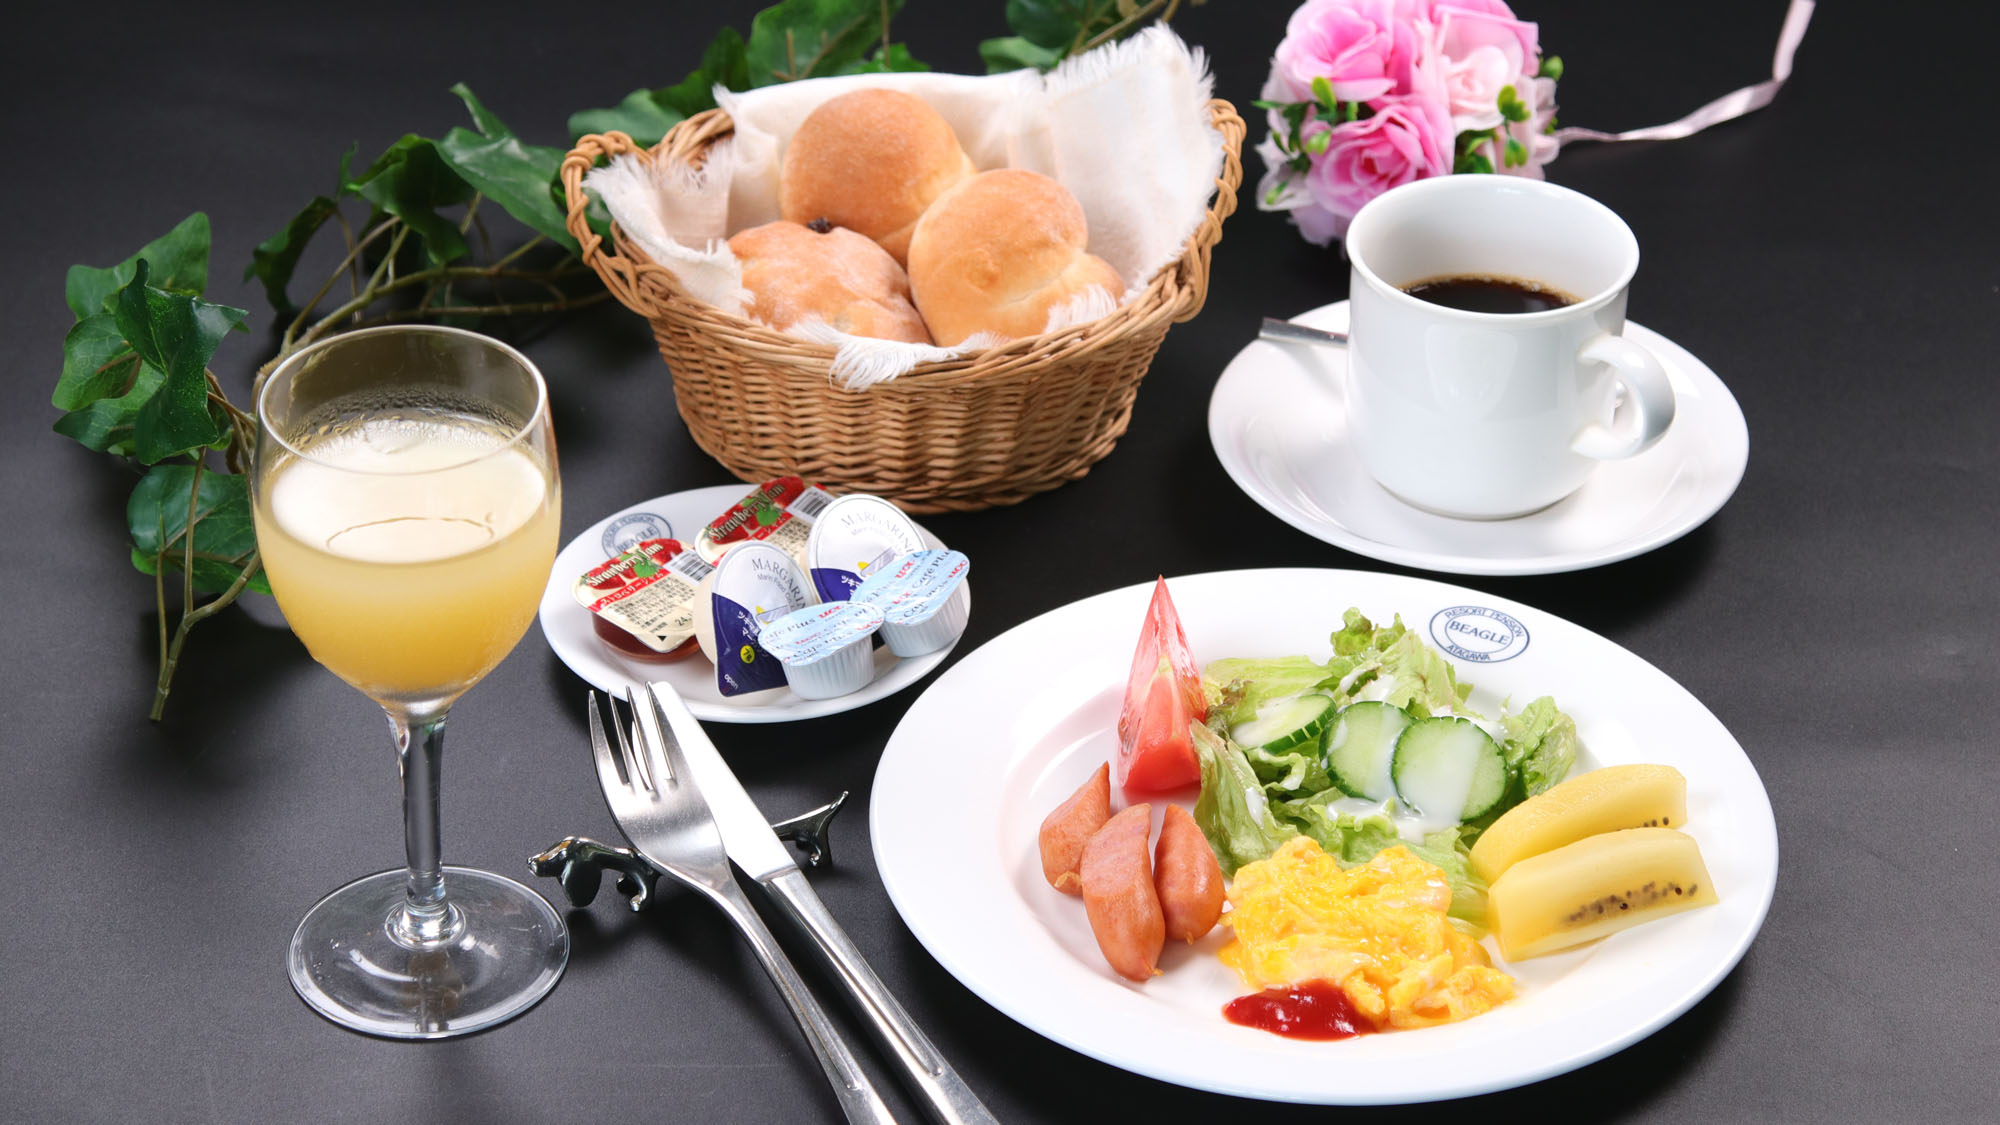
{"x": 651, "y": 794}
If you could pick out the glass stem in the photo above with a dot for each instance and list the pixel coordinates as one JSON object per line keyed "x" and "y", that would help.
{"x": 426, "y": 919}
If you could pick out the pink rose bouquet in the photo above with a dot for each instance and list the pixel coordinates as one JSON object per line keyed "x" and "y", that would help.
{"x": 1368, "y": 94}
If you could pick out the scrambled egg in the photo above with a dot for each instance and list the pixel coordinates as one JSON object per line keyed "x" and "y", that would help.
{"x": 1377, "y": 931}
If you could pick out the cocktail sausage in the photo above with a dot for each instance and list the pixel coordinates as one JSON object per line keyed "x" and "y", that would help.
{"x": 1187, "y": 877}
{"x": 1066, "y": 830}
{"x": 1118, "y": 894}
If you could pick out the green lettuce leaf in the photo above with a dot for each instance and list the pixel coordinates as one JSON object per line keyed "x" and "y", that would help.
{"x": 1540, "y": 746}
{"x": 1297, "y": 773}
{"x": 1332, "y": 820}
{"x": 1237, "y": 686}
{"x": 1420, "y": 679}
{"x": 1232, "y": 810}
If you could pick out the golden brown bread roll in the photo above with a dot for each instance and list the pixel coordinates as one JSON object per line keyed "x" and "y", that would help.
{"x": 870, "y": 161}
{"x": 795, "y": 273}
{"x": 997, "y": 252}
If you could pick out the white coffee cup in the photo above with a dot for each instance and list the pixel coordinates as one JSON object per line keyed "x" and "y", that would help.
{"x": 1490, "y": 415}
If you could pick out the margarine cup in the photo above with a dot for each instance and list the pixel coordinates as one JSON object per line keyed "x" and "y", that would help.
{"x": 855, "y": 537}
{"x": 1490, "y": 415}
{"x": 920, "y": 599}
{"x": 825, "y": 648}
{"x": 752, "y": 585}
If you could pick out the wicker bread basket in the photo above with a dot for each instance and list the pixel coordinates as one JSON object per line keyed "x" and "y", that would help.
{"x": 991, "y": 428}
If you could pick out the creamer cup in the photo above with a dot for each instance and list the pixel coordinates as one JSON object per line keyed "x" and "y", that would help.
{"x": 923, "y": 601}
{"x": 825, "y": 649}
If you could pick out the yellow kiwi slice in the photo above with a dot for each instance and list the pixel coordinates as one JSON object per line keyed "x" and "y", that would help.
{"x": 1606, "y": 800}
{"x": 1596, "y": 886}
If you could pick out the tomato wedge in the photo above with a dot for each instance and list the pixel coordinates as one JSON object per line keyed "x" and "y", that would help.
{"x": 1162, "y": 696}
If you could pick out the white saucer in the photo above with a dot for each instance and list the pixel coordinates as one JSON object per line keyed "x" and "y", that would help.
{"x": 1278, "y": 424}
{"x": 679, "y": 516}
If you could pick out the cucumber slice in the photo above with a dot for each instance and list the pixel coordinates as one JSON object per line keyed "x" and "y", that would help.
{"x": 1284, "y": 725}
{"x": 1361, "y": 745}
{"x": 1447, "y": 768}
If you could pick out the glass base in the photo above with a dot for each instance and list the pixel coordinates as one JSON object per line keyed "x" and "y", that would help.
{"x": 348, "y": 963}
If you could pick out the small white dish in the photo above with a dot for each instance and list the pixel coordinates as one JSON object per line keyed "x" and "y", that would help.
{"x": 1029, "y": 715}
{"x": 680, "y": 515}
{"x": 1279, "y": 427}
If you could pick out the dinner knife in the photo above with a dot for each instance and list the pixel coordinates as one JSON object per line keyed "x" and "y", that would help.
{"x": 747, "y": 837}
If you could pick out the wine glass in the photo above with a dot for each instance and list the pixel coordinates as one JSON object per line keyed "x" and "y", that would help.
{"x": 407, "y": 507}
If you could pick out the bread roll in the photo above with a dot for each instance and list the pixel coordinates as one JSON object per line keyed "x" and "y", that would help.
{"x": 870, "y": 161}
{"x": 997, "y": 252}
{"x": 797, "y": 273}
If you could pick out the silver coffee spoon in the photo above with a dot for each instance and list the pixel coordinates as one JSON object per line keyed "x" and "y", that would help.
{"x": 1285, "y": 332}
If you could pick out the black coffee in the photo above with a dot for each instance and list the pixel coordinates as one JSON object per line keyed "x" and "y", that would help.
{"x": 1490, "y": 294}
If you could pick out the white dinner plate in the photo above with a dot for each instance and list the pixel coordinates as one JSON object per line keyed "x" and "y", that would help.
{"x": 679, "y": 516}
{"x": 1278, "y": 422}
{"x": 1011, "y": 730}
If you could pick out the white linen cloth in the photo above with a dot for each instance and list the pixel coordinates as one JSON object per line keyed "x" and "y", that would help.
{"x": 1124, "y": 127}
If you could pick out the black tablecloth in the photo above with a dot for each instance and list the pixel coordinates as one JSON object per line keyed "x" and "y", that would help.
{"x": 1832, "y": 258}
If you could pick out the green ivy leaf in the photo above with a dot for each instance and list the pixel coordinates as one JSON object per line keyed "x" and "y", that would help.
{"x": 274, "y": 259}
{"x": 96, "y": 362}
{"x": 510, "y": 173}
{"x": 107, "y": 425}
{"x": 1516, "y": 154}
{"x": 895, "y": 58}
{"x": 641, "y": 116}
{"x": 1058, "y": 24}
{"x": 411, "y": 181}
{"x": 180, "y": 261}
{"x": 1014, "y": 52}
{"x": 224, "y": 535}
{"x": 798, "y": 39}
{"x": 1552, "y": 67}
{"x": 646, "y": 115}
{"x": 178, "y": 334}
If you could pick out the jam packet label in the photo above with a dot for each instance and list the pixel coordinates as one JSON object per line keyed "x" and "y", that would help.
{"x": 856, "y": 537}
{"x": 753, "y": 585}
{"x": 779, "y": 512}
{"x": 809, "y": 635}
{"x": 647, "y": 591}
{"x": 919, "y": 585}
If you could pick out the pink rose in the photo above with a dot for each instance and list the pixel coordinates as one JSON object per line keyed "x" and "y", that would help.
{"x": 1408, "y": 138}
{"x": 1493, "y": 13}
{"x": 1366, "y": 49}
{"x": 1479, "y": 52}
{"x": 1539, "y": 94}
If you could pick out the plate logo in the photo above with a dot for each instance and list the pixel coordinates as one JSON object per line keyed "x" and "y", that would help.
{"x": 1477, "y": 633}
{"x": 620, "y": 534}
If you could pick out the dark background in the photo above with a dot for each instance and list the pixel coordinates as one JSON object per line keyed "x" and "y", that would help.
{"x": 1833, "y": 258}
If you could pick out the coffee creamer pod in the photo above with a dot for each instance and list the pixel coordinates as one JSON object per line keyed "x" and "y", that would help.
{"x": 854, "y": 538}
{"x": 825, "y": 648}
{"x": 753, "y": 584}
{"x": 923, "y": 600}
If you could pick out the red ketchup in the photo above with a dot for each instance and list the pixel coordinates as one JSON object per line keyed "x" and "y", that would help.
{"x": 1313, "y": 1010}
